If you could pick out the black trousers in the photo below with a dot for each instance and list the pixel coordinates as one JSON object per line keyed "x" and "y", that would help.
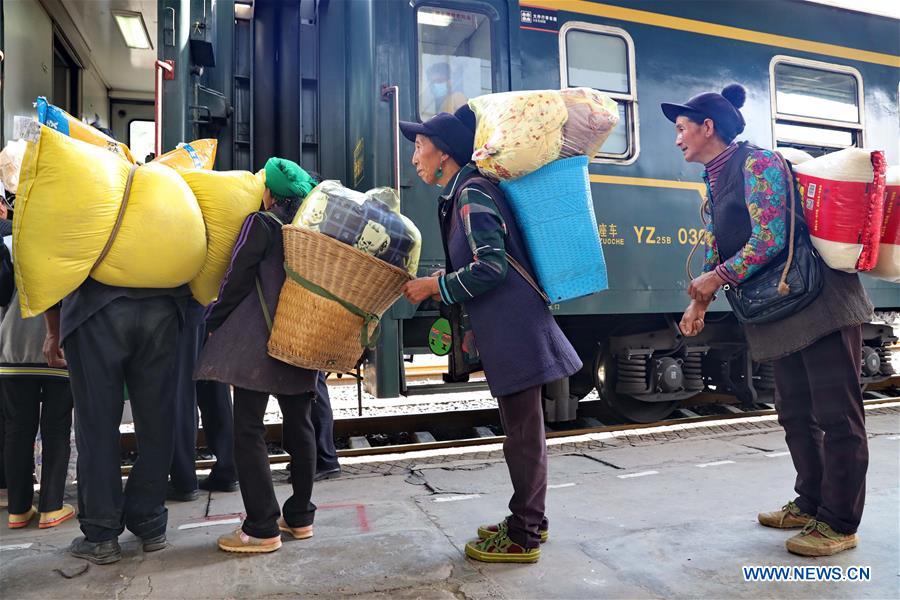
{"x": 128, "y": 342}
{"x": 323, "y": 421}
{"x": 252, "y": 457}
{"x": 27, "y": 403}
{"x": 214, "y": 402}
{"x": 525, "y": 451}
{"x": 820, "y": 406}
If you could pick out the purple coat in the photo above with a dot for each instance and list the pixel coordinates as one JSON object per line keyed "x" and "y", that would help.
{"x": 236, "y": 352}
{"x": 520, "y": 344}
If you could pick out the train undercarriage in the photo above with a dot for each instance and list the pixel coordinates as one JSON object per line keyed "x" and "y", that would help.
{"x": 643, "y": 369}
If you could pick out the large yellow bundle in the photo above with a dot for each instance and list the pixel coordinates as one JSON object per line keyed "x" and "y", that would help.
{"x": 70, "y": 196}
{"x": 199, "y": 154}
{"x": 59, "y": 120}
{"x": 225, "y": 199}
{"x": 517, "y": 132}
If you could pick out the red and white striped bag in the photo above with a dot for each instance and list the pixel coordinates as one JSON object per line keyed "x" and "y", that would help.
{"x": 843, "y": 202}
{"x": 888, "y": 266}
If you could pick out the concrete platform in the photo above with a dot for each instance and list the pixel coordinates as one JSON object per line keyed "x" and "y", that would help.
{"x": 666, "y": 519}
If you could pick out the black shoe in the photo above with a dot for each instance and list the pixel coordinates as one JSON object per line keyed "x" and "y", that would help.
{"x": 155, "y": 543}
{"x": 327, "y": 474}
{"x": 179, "y": 496}
{"x": 99, "y": 553}
{"x": 214, "y": 485}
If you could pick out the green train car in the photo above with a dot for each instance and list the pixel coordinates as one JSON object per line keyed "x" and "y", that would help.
{"x": 324, "y": 82}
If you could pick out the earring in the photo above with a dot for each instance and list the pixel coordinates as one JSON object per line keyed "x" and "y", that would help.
{"x": 439, "y": 172}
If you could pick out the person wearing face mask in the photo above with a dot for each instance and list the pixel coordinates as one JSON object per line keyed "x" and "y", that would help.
{"x": 520, "y": 345}
{"x": 441, "y": 88}
{"x": 816, "y": 350}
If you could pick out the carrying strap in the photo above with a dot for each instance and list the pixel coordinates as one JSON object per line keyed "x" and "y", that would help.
{"x": 527, "y": 277}
{"x": 119, "y": 217}
{"x": 367, "y": 317}
{"x": 259, "y": 291}
{"x": 783, "y": 287}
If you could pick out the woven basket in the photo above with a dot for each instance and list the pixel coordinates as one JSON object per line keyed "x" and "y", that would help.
{"x": 555, "y": 213}
{"x": 315, "y": 332}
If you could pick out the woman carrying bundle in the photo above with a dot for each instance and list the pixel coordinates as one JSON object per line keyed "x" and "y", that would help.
{"x": 815, "y": 346}
{"x": 520, "y": 345}
{"x": 235, "y": 353}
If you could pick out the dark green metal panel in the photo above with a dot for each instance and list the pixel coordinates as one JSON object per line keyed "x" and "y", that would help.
{"x": 173, "y": 29}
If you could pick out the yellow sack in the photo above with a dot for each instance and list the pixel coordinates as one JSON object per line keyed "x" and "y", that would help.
{"x": 162, "y": 239}
{"x": 70, "y": 193}
{"x": 225, "y": 199}
{"x": 58, "y": 119}
{"x": 199, "y": 154}
{"x": 517, "y": 132}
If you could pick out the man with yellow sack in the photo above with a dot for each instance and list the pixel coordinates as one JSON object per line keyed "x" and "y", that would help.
{"x": 116, "y": 337}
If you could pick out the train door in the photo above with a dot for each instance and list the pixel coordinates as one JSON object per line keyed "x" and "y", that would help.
{"x": 431, "y": 56}
{"x": 131, "y": 122}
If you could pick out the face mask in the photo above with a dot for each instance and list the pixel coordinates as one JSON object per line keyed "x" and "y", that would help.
{"x": 439, "y": 89}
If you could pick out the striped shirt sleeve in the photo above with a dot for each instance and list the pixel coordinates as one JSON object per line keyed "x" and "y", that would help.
{"x": 486, "y": 235}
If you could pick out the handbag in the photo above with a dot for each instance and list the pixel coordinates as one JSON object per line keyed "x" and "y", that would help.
{"x": 781, "y": 288}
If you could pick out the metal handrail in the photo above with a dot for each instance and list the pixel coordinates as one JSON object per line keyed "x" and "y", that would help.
{"x": 392, "y": 92}
{"x": 160, "y": 66}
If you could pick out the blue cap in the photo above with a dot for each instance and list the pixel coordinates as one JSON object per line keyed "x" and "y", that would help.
{"x": 453, "y": 134}
{"x": 722, "y": 108}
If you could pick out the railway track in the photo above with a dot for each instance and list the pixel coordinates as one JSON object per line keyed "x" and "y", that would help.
{"x": 380, "y": 435}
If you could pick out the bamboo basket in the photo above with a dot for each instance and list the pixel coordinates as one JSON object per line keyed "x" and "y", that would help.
{"x": 319, "y": 324}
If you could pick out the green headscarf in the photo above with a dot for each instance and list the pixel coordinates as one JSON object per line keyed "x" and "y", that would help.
{"x": 286, "y": 179}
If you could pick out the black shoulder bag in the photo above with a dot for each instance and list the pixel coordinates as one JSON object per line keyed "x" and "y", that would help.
{"x": 782, "y": 287}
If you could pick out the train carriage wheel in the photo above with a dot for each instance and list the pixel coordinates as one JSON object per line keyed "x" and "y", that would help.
{"x": 624, "y": 406}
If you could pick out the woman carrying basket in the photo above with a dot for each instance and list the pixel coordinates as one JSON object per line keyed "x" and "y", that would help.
{"x": 520, "y": 345}
{"x": 755, "y": 232}
{"x": 235, "y": 353}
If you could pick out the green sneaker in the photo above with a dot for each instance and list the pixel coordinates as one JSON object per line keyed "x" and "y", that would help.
{"x": 819, "y": 539}
{"x": 500, "y": 549}
{"x": 486, "y": 531}
{"x": 789, "y": 517}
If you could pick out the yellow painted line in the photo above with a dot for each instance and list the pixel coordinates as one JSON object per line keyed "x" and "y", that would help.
{"x": 700, "y": 188}
{"x": 714, "y": 29}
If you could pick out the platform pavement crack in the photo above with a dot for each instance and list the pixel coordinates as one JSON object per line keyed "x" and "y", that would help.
{"x": 149, "y": 588}
{"x": 120, "y": 592}
{"x": 595, "y": 459}
{"x": 416, "y": 477}
{"x": 756, "y": 448}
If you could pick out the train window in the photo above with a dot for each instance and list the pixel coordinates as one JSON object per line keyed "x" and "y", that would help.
{"x": 816, "y": 106}
{"x": 602, "y": 58}
{"x": 141, "y": 138}
{"x": 454, "y": 58}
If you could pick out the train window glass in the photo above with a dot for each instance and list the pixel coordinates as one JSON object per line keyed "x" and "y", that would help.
{"x": 141, "y": 138}
{"x": 597, "y": 61}
{"x": 816, "y": 106}
{"x": 454, "y": 58}
{"x": 602, "y": 58}
{"x": 815, "y": 93}
{"x": 802, "y": 134}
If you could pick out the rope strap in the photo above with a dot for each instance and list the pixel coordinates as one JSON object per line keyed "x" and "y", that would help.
{"x": 119, "y": 217}
{"x": 265, "y": 307}
{"x": 367, "y": 317}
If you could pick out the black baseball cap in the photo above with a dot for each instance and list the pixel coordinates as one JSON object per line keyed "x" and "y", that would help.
{"x": 723, "y": 109}
{"x": 451, "y": 133}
